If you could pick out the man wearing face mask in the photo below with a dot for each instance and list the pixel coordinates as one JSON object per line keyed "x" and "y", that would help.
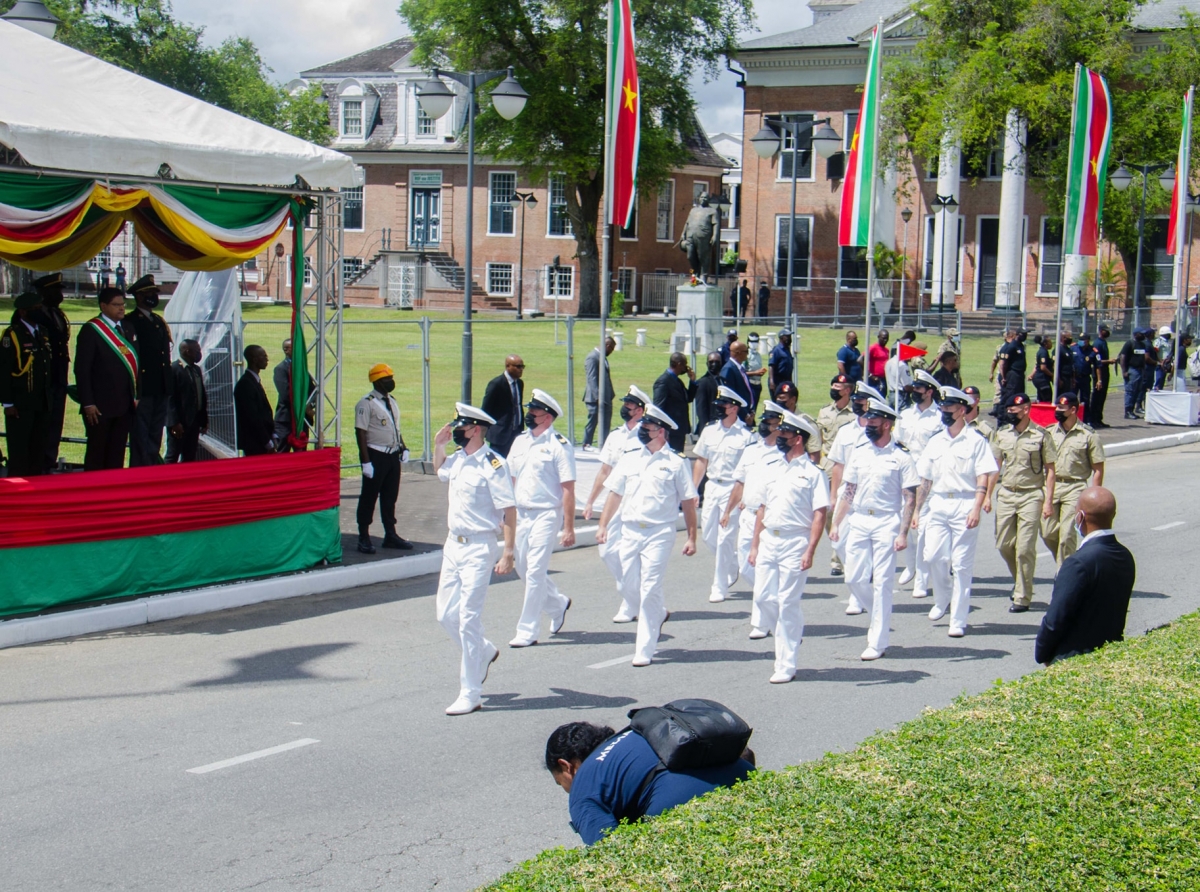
{"x": 757, "y": 470}
{"x": 622, "y": 440}
{"x": 877, "y": 508}
{"x": 718, "y": 452}
{"x": 380, "y": 450}
{"x": 848, "y": 438}
{"x": 954, "y": 470}
{"x": 706, "y": 392}
{"x": 786, "y": 533}
{"x": 155, "y": 381}
{"x": 58, "y": 327}
{"x": 648, "y": 488}
{"x": 1079, "y": 463}
{"x": 830, "y": 420}
{"x": 786, "y": 395}
{"x": 1012, "y": 369}
{"x": 978, "y": 423}
{"x": 26, "y": 387}
{"x": 918, "y": 423}
{"x": 1026, "y": 456}
{"x": 542, "y": 464}
{"x": 482, "y": 504}
{"x": 1134, "y": 367}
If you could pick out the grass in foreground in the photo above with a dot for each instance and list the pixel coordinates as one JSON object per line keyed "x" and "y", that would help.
{"x": 1081, "y": 777}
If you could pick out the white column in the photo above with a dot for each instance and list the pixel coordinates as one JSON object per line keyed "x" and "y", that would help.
{"x": 1009, "y": 269}
{"x": 945, "y": 224}
{"x": 1074, "y": 280}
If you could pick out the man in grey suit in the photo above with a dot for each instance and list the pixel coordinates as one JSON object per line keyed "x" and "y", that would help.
{"x": 282, "y": 376}
{"x": 596, "y": 399}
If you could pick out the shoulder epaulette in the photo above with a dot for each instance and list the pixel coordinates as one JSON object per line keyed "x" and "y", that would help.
{"x": 494, "y": 460}
{"x": 900, "y": 446}
{"x": 560, "y": 438}
{"x": 633, "y": 449}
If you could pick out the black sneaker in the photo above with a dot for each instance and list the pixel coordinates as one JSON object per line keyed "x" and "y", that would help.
{"x": 365, "y": 546}
{"x": 1017, "y": 608}
{"x": 391, "y": 540}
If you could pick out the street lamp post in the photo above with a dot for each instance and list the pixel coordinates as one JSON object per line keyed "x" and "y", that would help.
{"x": 1121, "y": 178}
{"x": 905, "y": 215}
{"x": 767, "y": 142}
{"x": 524, "y": 199}
{"x": 436, "y": 98}
{"x": 947, "y": 203}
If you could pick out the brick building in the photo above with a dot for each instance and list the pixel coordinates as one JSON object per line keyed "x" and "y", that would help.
{"x": 998, "y": 250}
{"x": 405, "y": 228}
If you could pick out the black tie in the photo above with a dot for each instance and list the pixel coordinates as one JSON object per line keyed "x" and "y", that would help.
{"x": 516, "y": 398}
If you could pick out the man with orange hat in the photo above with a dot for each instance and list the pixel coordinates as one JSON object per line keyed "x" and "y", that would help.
{"x": 380, "y": 450}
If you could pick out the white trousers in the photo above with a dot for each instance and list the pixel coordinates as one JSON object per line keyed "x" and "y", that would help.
{"x": 871, "y": 568}
{"x": 914, "y": 555}
{"x": 778, "y": 587}
{"x": 949, "y": 544}
{"x": 610, "y": 553}
{"x": 720, "y": 540}
{"x": 644, "y": 555}
{"x": 537, "y": 531}
{"x": 745, "y": 538}
{"x": 466, "y": 572}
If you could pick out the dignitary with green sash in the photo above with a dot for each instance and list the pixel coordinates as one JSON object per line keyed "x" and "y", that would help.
{"x": 106, "y": 376}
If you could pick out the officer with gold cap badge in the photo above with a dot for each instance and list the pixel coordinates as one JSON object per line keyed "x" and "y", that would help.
{"x": 482, "y": 504}
{"x": 25, "y": 387}
{"x": 620, "y": 440}
{"x": 830, "y": 420}
{"x": 58, "y": 328}
{"x": 647, "y": 488}
{"x": 155, "y": 381}
{"x": 848, "y": 438}
{"x": 1079, "y": 463}
{"x": 718, "y": 451}
{"x": 918, "y": 423}
{"x": 381, "y": 449}
{"x": 542, "y": 464}
{"x": 786, "y": 533}
{"x": 1026, "y": 456}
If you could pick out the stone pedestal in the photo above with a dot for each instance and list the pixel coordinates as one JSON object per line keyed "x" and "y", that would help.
{"x": 703, "y": 302}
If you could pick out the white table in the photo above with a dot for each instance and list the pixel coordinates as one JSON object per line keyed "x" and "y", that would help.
{"x": 1173, "y": 407}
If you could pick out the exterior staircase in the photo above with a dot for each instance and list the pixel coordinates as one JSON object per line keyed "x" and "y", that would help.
{"x": 450, "y": 271}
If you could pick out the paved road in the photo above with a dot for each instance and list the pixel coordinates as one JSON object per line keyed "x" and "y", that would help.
{"x": 99, "y": 733}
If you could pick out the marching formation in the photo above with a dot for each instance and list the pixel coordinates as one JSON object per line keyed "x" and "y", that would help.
{"x": 885, "y": 485}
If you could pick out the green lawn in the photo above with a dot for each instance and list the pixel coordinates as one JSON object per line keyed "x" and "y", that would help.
{"x": 395, "y": 338}
{"x": 1080, "y": 777}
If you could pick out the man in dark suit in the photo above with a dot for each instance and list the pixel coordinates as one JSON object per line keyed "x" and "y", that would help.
{"x": 154, "y": 375}
{"x": 255, "y": 420}
{"x": 58, "y": 328}
{"x": 25, "y": 387}
{"x": 503, "y": 400}
{"x": 1093, "y": 586}
{"x": 706, "y": 391}
{"x": 282, "y": 376}
{"x": 597, "y": 393}
{"x": 673, "y": 397}
{"x": 733, "y": 376}
{"x": 106, "y": 376}
{"x": 187, "y": 415}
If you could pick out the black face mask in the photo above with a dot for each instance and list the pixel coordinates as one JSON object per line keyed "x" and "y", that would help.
{"x": 860, "y": 408}
{"x": 718, "y": 410}
{"x": 1060, "y": 417}
{"x": 1010, "y": 418}
{"x": 1020, "y": 339}
{"x": 947, "y": 418}
{"x": 386, "y": 386}
{"x": 150, "y": 301}
{"x": 644, "y": 435}
{"x": 530, "y": 421}
{"x": 783, "y": 445}
{"x": 460, "y": 438}
{"x": 835, "y": 395}
{"x": 626, "y": 412}
{"x": 714, "y": 367}
{"x": 874, "y": 434}
{"x": 764, "y": 428}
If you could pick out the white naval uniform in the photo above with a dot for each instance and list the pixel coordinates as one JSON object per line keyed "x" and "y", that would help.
{"x": 880, "y": 475}
{"x": 539, "y": 465}
{"x": 651, "y": 486}
{"x": 722, "y": 447}
{"x": 953, "y": 464}
{"x": 619, "y": 441}
{"x": 914, "y": 429}
{"x": 480, "y": 491}
{"x": 760, "y": 467}
{"x": 778, "y": 580}
{"x": 849, "y": 437}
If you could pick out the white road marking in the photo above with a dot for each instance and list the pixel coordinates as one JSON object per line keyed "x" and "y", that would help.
{"x": 250, "y": 757}
{"x": 615, "y": 662}
{"x": 1169, "y": 526}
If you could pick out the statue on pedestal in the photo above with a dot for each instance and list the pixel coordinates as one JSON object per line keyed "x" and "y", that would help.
{"x": 699, "y": 238}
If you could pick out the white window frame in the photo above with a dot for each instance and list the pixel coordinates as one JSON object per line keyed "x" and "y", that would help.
{"x": 631, "y": 294}
{"x": 696, "y": 194}
{"x": 360, "y": 101}
{"x": 927, "y": 254}
{"x": 551, "y": 181}
{"x": 785, "y": 149}
{"x": 666, "y": 190}
{"x": 492, "y": 174}
{"x": 776, "y": 259}
{"x": 1162, "y": 222}
{"x": 555, "y": 279}
{"x": 848, "y": 130}
{"x": 362, "y": 208}
{"x": 995, "y": 160}
{"x": 512, "y": 279}
{"x": 356, "y": 265}
{"x": 419, "y": 119}
{"x": 309, "y": 278}
{"x": 1062, "y": 258}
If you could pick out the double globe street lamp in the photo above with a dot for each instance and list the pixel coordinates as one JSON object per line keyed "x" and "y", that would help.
{"x": 1121, "y": 178}
{"x": 522, "y": 200}
{"x": 435, "y": 99}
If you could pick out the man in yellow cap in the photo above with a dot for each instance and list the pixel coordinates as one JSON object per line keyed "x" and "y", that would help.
{"x": 380, "y": 450}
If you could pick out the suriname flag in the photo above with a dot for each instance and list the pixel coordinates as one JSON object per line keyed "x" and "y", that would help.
{"x": 624, "y": 110}
{"x": 855, "y": 220}
{"x": 1087, "y": 169}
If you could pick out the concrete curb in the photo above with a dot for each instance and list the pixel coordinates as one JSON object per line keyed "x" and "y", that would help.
{"x": 1132, "y": 447}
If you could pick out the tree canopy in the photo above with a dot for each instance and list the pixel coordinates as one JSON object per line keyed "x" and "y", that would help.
{"x": 558, "y": 50}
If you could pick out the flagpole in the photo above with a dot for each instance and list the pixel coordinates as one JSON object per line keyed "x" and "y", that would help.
{"x": 1066, "y": 201}
{"x": 878, "y": 36}
{"x": 606, "y": 247}
{"x": 1181, "y": 189}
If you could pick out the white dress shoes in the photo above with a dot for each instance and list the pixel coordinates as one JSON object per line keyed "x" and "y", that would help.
{"x": 957, "y": 631}
{"x": 907, "y": 576}
{"x": 853, "y": 609}
{"x": 556, "y": 625}
{"x": 522, "y": 642}
{"x": 871, "y": 654}
{"x": 758, "y": 634}
{"x": 936, "y": 613}
{"x": 622, "y": 618}
{"x": 716, "y": 598}
{"x": 640, "y": 662}
{"x": 463, "y": 706}
{"x": 782, "y": 677}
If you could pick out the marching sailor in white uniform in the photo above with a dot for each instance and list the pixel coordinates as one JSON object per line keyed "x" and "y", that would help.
{"x": 481, "y": 504}
{"x": 848, "y": 438}
{"x": 918, "y": 423}
{"x": 647, "y": 488}
{"x": 879, "y": 493}
{"x": 542, "y": 464}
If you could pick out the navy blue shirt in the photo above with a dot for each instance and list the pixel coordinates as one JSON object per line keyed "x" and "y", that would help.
{"x": 781, "y": 363}
{"x": 852, "y": 360}
{"x": 1101, "y": 347}
{"x": 605, "y": 788}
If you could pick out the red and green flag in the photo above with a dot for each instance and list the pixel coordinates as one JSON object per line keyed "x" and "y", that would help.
{"x": 854, "y": 224}
{"x": 624, "y": 116}
{"x": 1179, "y": 196}
{"x": 1087, "y": 167}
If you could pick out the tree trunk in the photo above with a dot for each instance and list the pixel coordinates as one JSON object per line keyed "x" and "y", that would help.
{"x": 1129, "y": 259}
{"x": 583, "y": 207}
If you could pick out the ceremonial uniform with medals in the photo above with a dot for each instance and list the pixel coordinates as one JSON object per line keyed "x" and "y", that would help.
{"x": 26, "y": 389}
{"x": 721, "y": 445}
{"x": 621, "y": 440}
{"x": 155, "y": 381}
{"x": 106, "y": 375}
{"x": 1078, "y": 453}
{"x": 540, "y": 464}
{"x": 58, "y": 329}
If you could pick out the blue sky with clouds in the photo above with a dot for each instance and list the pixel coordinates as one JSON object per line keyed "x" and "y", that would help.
{"x": 296, "y": 34}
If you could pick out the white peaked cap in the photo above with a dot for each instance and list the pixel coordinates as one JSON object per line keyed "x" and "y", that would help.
{"x": 728, "y": 393}
{"x": 953, "y": 393}
{"x": 636, "y": 393}
{"x": 770, "y": 408}
{"x": 473, "y": 414}
{"x": 540, "y": 396}
{"x": 656, "y": 414}
{"x": 881, "y": 408}
{"x": 861, "y": 390}
{"x": 799, "y": 423}
{"x": 923, "y": 377}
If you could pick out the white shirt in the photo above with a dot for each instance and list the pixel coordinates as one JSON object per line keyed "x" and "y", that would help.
{"x": 722, "y": 446}
{"x": 1094, "y": 534}
{"x": 848, "y": 437}
{"x": 760, "y": 466}
{"x": 382, "y": 427}
{"x": 917, "y": 426}
{"x": 620, "y": 440}
{"x": 480, "y": 490}
{"x": 896, "y": 373}
{"x": 651, "y": 485}
{"x": 954, "y": 463}
{"x": 799, "y": 492}
{"x": 881, "y": 475}
{"x": 540, "y": 465}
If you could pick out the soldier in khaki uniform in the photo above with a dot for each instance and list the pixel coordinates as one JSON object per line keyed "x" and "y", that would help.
{"x": 1026, "y": 456}
{"x": 1079, "y": 463}
{"x": 975, "y": 421}
{"x": 830, "y": 420}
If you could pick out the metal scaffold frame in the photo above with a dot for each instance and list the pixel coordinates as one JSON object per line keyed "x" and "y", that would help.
{"x": 321, "y": 313}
